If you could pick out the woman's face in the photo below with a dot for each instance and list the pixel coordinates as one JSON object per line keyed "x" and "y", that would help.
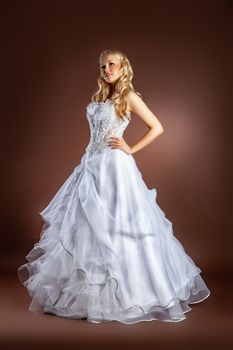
{"x": 110, "y": 68}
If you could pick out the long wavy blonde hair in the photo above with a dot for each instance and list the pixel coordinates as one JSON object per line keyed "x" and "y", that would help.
{"x": 121, "y": 88}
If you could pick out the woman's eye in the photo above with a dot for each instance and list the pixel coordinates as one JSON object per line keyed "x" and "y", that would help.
{"x": 102, "y": 67}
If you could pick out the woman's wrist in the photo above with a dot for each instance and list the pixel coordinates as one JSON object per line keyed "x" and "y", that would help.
{"x": 131, "y": 150}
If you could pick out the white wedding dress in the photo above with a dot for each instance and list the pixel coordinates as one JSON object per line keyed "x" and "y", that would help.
{"x": 106, "y": 250}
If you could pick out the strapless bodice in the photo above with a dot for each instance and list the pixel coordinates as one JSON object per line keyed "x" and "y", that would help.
{"x": 103, "y": 123}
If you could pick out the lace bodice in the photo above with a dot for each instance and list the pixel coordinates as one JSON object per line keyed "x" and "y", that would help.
{"x": 103, "y": 122}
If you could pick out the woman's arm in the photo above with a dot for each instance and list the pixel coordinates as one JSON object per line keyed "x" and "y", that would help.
{"x": 138, "y": 107}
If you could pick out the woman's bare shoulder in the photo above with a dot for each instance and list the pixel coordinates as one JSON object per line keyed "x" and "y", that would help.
{"x": 132, "y": 98}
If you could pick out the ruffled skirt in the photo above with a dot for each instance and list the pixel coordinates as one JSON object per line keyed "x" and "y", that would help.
{"x": 107, "y": 252}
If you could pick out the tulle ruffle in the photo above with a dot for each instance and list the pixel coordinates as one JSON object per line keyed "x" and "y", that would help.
{"x": 107, "y": 252}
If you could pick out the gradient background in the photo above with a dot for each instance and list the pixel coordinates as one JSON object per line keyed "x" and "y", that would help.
{"x": 180, "y": 54}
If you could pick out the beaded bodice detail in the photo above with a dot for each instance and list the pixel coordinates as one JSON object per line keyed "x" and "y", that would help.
{"x": 103, "y": 123}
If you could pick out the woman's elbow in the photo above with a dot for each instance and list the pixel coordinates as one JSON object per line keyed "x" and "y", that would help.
{"x": 159, "y": 130}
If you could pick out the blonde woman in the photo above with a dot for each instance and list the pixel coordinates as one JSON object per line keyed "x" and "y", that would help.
{"x": 107, "y": 252}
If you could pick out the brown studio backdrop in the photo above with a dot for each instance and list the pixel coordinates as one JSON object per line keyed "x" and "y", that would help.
{"x": 177, "y": 53}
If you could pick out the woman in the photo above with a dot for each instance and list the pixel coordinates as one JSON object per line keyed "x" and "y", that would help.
{"x": 107, "y": 252}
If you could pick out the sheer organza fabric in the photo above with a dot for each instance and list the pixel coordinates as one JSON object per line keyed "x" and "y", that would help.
{"x": 107, "y": 252}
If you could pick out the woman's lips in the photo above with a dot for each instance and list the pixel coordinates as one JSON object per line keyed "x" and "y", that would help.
{"x": 107, "y": 75}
